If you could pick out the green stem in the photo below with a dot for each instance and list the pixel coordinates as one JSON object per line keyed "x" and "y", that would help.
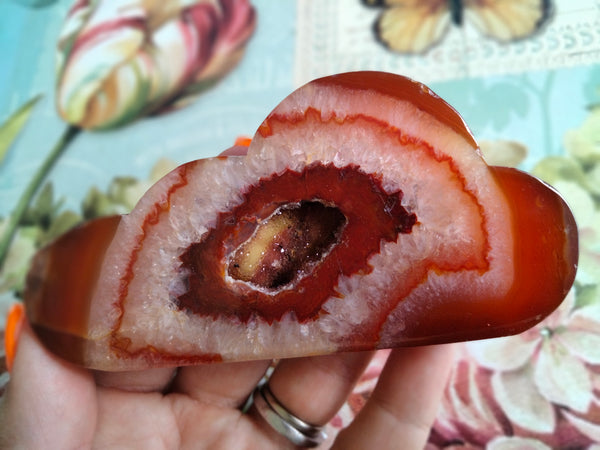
{"x": 35, "y": 183}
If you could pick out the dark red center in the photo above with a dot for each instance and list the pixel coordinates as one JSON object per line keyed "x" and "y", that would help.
{"x": 320, "y": 223}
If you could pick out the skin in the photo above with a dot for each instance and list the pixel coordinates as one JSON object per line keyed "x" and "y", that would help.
{"x": 50, "y": 403}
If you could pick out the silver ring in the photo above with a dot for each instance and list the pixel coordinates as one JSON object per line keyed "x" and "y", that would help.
{"x": 297, "y": 431}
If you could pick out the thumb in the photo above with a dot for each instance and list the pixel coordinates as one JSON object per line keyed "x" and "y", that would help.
{"x": 48, "y": 402}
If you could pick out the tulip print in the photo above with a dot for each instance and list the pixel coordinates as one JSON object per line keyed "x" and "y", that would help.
{"x": 121, "y": 60}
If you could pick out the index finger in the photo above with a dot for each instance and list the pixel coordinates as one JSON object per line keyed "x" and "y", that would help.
{"x": 403, "y": 406}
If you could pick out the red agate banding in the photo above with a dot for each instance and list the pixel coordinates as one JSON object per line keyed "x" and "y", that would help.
{"x": 299, "y": 268}
{"x": 363, "y": 216}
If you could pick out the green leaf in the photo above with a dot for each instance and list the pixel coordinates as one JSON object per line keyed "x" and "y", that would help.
{"x": 63, "y": 223}
{"x": 587, "y": 295}
{"x": 9, "y": 130}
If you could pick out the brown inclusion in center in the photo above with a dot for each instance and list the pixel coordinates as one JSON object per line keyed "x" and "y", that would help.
{"x": 283, "y": 249}
{"x": 285, "y": 246}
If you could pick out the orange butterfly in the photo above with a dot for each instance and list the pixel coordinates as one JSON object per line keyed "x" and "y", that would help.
{"x": 413, "y": 26}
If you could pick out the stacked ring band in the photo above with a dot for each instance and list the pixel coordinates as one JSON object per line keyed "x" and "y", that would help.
{"x": 285, "y": 423}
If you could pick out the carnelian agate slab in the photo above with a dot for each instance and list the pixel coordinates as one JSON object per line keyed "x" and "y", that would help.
{"x": 362, "y": 217}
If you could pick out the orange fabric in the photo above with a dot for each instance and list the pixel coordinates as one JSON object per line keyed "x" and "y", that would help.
{"x": 11, "y": 332}
{"x": 243, "y": 141}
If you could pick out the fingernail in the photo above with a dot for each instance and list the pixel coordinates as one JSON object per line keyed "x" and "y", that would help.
{"x": 243, "y": 141}
{"x": 14, "y": 320}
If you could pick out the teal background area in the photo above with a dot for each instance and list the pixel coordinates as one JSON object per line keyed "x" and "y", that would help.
{"x": 236, "y": 106}
{"x": 535, "y": 109}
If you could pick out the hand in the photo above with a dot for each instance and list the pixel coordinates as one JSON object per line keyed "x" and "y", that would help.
{"x": 50, "y": 403}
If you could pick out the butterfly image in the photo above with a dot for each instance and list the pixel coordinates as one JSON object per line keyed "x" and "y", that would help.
{"x": 414, "y": 26}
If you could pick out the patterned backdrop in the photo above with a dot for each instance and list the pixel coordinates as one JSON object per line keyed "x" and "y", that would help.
{"x": 530, "y": 94}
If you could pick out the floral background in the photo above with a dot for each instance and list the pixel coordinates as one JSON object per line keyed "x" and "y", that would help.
{"x": 184, "y": 99}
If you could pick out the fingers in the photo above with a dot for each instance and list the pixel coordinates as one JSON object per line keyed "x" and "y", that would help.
{"x": 48, "y": 403}
{"x": 226, "y": 384}
{"x": 404, "y": 404}
{"x": 315, "y": 388}
{"x": 150, "y": 380}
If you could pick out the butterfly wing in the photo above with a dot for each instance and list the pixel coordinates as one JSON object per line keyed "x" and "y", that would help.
{"x": 507, "y": 20}
{"x": 409, "y": 26}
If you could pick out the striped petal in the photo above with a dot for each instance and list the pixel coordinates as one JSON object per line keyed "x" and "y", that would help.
{"x": 119, "y": 60}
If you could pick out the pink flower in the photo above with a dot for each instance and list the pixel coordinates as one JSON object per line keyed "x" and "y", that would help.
{"x": 540, "y": 385}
